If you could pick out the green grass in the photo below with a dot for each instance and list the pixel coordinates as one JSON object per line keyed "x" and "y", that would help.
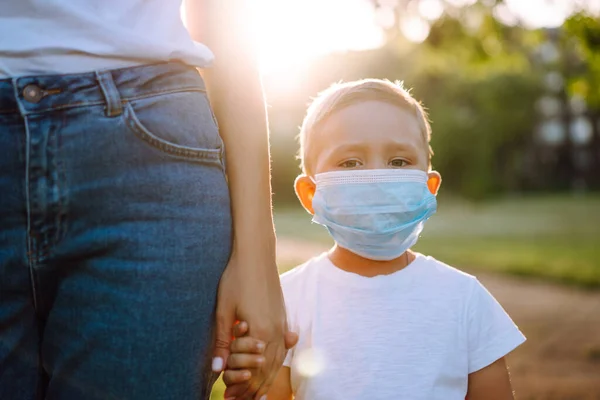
{"x": 218, "y": 389}
{"x": 555, "y": 238}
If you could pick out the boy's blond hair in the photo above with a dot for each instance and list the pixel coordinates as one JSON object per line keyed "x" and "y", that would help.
{"x": 341, "y": 95}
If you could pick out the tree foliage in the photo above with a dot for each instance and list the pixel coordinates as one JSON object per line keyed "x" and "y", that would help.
{"x": 480, "y": 82}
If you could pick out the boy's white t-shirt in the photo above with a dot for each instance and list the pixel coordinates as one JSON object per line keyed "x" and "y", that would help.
{"x": 414, "y": 334}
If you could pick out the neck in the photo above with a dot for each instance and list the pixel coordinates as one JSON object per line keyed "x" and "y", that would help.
{"x": 350, "y": 262}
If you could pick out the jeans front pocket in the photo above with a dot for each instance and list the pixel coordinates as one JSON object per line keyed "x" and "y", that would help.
{"x": 178, "y": 124}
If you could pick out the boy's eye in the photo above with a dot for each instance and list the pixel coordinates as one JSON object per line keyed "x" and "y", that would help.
{"x": 350, "y": 164}
{"x": 398, "y": 163}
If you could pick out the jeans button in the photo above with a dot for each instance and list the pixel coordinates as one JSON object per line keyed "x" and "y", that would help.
{"x": 33, "y": 93}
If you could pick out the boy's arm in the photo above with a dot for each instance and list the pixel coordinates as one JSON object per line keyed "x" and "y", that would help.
{"x": 282, "y": 386}
{"x": 491, "y": 336}
{"x": 490, "y": 383}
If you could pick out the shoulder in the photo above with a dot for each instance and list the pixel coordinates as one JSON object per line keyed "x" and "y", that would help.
{"x": 299, "y": 286}
{"x": 441, "y": 274}
{"x": 299, "y": 273}
{"x": 447, "y": 285}
{"x": 296, "y": 281}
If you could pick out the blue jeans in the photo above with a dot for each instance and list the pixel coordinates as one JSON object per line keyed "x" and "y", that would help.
{"x": 115, "y": 228}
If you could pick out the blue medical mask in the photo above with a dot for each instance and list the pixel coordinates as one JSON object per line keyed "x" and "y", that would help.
{"x": 377, "y": 214}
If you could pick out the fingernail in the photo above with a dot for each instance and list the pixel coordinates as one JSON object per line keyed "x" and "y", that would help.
{"x": 260, "y": 346}
{"x": 264, "y": 397}
{"x": 217, "y": 364}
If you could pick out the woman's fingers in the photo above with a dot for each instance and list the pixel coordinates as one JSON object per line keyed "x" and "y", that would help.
{"x": 247, "y": 345}
{"x": 222, "y": 341}
{"x": 240, "y": 329}
{"x": 243, "y": 361}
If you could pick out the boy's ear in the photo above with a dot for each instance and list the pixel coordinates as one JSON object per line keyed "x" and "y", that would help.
{"x": 434, "y": 182}
{"x": 305, "y": 190}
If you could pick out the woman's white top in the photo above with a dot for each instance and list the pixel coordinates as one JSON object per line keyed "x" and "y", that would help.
{"x": 40, "y": 37}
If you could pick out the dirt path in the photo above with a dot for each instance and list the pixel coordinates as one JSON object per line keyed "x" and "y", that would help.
{"x": 561, "y": 358}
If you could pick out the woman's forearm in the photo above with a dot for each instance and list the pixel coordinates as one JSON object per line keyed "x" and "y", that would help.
{"x": 236, "y": 95}
{"x": 243, "y": 126}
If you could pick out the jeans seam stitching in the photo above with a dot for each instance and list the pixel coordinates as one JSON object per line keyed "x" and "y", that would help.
{"x": 188, "y": 153}
{"x": 31, "y": 245}
{"x": 66, "y": 106}
{"x": 100, "y": 102}
{"x": 61, "y": 189}
{"x": 165, "y": 92}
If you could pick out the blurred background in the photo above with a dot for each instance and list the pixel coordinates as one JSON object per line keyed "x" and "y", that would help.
{"x": 513, "y": 92}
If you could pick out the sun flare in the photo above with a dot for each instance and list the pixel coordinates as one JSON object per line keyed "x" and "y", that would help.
{"x": 293, "y": 33}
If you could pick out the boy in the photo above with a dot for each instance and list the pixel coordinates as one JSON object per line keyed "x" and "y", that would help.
{"x": 376, "y": 320}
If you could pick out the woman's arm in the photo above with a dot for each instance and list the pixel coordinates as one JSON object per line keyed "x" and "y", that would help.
{"x": 236, "y": 95}
{"x": 249, "y": 289}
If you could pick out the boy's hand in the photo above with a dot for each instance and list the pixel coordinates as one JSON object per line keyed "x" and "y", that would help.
{"x": 245, "y": 359}
{"x": 246, "y": 355}
{"x": 250, "y": 290}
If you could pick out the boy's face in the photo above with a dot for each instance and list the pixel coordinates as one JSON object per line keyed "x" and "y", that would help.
{"x": 369, "y": 135}
{"x": 366, "y": 135}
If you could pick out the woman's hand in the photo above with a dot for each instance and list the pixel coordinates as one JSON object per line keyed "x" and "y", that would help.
{"x": 252, "y": 295}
